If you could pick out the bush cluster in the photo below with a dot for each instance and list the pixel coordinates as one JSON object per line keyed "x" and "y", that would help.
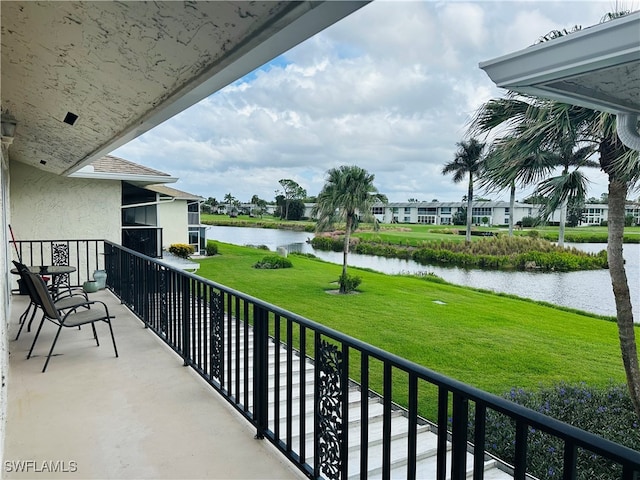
{"x": 326, "y": 243}
{"x": 272, "y": 262}
{"x": 501, "y": 252}
{"x": 607, "y": 412}
{"x": 181, "y": 250}
{"x": 211, "y": 248}
{"x": 349, "y": 283}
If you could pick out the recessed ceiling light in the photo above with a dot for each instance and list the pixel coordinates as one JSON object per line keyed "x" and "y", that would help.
{"x": 70, "y": 118}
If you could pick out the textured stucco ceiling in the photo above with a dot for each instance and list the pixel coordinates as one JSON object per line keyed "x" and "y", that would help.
{"x": 124, "y": 67}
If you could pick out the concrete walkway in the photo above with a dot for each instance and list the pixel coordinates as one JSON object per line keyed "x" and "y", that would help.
{"x": 140, "y": 416}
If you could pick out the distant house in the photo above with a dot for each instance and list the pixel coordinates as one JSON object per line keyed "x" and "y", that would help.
{"x": 112, "y": 198}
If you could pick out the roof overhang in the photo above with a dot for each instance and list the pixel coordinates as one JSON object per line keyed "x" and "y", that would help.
{"x": 124, "y": 67}
{"x": 598, "y": 67}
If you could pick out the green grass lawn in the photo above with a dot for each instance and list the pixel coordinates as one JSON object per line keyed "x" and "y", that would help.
{"x": 491, "y": 341}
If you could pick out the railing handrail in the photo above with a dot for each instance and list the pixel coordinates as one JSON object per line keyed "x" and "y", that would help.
{"x": 581, "y": 438}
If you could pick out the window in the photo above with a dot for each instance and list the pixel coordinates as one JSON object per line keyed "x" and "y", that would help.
{"x": 407, "y": 219}
{"x": 428, "y": 219}
{"x": 139, "y": 216}
{"x": 395, "y": 210}
{"x": 407, "y": 210}
{"x": 445, "y": 210}
{"x": 377, "y": 210}
{"x": 481, "y": 211}
{"x": 426, "y": 211}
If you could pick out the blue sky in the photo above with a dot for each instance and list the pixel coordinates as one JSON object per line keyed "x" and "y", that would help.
{"x": 390, "y": 88}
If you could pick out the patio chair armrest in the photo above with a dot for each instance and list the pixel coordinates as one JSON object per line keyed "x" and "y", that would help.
{"x": 87, "y": 304}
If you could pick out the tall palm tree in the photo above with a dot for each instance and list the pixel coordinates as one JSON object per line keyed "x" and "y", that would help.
{"x": 538, "y": 129}
{"x": 468, "y": 160}
{"x": 622, "y": 166}
{"x": 347, "y": 195}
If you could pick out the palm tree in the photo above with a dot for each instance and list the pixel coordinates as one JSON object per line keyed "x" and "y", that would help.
{"x": 568, "y": 185}
{"x": 504, "y": 170}
{"x": 468, "y": 160}
{"x": 512, "y": 162}
{"x": 622, "y": 166}
{"x": 347, "y": 195}
{"x": 538, "y": 129}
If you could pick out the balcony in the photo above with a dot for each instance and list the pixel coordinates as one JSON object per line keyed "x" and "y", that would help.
{"x": 142, "y": 415}
{"x": 303, "y": 388}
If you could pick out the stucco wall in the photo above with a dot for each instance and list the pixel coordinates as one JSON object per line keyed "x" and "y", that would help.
{"x": 50, "y": 207}
{"x": 4, "y": 297}
{"x": 173, "y": 219}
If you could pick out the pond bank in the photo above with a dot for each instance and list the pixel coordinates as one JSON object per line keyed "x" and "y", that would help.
{"x": 589, "y": 290}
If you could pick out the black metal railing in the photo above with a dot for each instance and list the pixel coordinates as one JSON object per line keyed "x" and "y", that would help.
{"x": 307, "y": 388}
{"x": 86, "y": 256}
{"x": 229, "y": 337}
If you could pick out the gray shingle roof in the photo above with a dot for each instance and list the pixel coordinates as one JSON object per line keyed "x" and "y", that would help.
{"x": 113, "y": 164}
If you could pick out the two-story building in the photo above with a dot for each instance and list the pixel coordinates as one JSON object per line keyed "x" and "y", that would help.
{"x": 443, "y": 213}
{"x": 484, "y": 212}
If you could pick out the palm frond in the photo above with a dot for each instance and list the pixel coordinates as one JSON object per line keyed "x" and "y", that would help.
{"x": 562, "y": 188}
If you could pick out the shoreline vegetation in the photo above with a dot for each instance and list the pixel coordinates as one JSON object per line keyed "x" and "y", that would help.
{"x": 491, "y": 247}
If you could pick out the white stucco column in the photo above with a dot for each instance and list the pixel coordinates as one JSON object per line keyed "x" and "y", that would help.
{"x": 4, "y": 292}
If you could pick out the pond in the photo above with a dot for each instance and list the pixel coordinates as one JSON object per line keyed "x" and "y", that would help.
{"x": 590, "y": 291}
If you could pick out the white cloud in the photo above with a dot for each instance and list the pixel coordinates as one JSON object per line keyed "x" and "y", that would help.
{"x": 390, "y": 88}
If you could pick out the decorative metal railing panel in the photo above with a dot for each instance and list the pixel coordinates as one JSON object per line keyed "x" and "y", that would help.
{"x": 308, "y": 389}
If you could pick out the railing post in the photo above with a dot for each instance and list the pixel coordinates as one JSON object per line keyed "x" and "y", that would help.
{"x": 459, "y": 437}
{"x": 260, "y": 370}
{"x": 186, "y": 320}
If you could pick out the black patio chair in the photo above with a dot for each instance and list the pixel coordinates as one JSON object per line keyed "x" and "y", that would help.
{"x": 70, "y": 318}
{"x": 73, "y": 299}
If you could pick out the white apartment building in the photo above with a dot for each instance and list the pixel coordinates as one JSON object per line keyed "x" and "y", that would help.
{"x": 483, "y": 213}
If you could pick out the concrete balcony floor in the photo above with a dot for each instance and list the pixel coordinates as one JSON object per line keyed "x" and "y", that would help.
{"x": 142, "y": 415}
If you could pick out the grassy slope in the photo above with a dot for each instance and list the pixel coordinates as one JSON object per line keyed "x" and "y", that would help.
{"x": 489, "y": 341}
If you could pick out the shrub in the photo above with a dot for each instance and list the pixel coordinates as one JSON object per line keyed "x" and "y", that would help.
{"x": 272, "y": 262}
{"x": 348, "y": 283}
{"x": 529, "y": 222}
{"x": 181, "y": 250}
{"x": 607, "y": 412}
{"x": 211, "y": 248}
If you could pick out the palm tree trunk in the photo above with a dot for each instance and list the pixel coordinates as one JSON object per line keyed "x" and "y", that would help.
{"x": 624, "y": 313}
{"x": 469, "y": 208}
{"x": 345, "y": 252}
{"x": 512, "y": 205}
{"x": 563, "y": 220}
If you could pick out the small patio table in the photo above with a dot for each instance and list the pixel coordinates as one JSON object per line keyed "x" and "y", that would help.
{"x": 53, "y": 271}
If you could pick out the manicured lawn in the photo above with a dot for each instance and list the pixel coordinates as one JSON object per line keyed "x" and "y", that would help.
{"x": 490, "y": 341}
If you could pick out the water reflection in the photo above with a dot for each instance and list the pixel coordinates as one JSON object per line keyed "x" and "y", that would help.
{"x": 585, "y": 290}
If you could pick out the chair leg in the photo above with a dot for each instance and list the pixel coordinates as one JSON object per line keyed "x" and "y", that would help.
{"x": 113, "y": 339}
{"x": 23, "y": 319}
{"x": 35, "y": 339}
{"x": 95, "y": 334}
{"x": 33, "y": 315}
{"x": 51, "y": 350}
